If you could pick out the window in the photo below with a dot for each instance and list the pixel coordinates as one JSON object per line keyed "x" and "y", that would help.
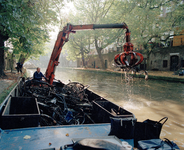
{"x": 164, "y": 63}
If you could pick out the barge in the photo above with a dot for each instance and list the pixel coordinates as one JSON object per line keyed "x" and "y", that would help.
{"x": 51, "y": 115}
{"x": 26, "y": 123}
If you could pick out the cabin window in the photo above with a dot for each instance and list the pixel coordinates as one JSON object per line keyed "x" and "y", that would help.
{"x": 164, "y": 63}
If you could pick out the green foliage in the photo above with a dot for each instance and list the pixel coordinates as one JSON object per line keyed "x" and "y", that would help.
{"x": 148, "y": 21}
{"x": 97, "y": 12}
{"x": 27, "y": 24}
{"x": 94, "y": 12}
{"x": 78, "y": 46}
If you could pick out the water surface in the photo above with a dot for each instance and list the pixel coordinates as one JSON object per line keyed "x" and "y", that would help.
{"x": 152, "y": 99}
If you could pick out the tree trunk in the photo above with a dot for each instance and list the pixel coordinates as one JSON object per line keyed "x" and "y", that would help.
{"x": 147, "y": 66}
{"x": 83, "y": 61}
{"x": 2, "y": 58}
{"x": 11, "y": 62}
{"x": 101, "y": 58}
{"x": 99, "y": 51}
{"x": 22, "y": 58}
{"x": 2, "y": 39}
{"x": 148, "y": 57}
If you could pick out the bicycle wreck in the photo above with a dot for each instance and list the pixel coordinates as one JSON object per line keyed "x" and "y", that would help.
{"x": 60, "y": 106}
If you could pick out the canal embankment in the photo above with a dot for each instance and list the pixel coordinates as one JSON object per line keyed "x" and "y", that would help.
{"x": 8, "y": 82}
{"x": 154, "y": 75}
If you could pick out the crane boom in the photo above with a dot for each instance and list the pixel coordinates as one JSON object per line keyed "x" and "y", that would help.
{"x": 63, "y": 38}
{"x": 99, "y": 26}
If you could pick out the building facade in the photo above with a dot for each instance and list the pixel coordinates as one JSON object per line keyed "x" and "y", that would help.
{"x": 167, "y": 59}
{"x": 163, "y": 59}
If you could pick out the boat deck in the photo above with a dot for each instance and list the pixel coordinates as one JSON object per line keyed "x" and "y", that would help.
{"x": 50, "y": 137}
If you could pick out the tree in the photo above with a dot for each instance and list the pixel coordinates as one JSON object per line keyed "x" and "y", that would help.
{"x": 79, "y": 42}
{"x": 3, "y": 37}
{"x": 25, "y": 24}
{"x": 148, "y": 21}
{"x": 155, "y": 23}
{"x": 97, "y": 12}
{"x": 145, "y": 19}
{"x": 79, "y": 46}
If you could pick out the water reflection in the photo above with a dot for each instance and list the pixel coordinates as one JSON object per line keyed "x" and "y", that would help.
{"x": 146, "y": 99}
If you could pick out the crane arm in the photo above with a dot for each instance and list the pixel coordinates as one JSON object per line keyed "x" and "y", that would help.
{"x": 99, "y": 26}
{"x": 63, "y": 38}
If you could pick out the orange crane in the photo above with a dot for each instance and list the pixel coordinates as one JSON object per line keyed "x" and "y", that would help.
{"x": 120, "y": 59}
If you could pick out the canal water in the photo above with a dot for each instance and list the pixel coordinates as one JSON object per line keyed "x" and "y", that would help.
{"x": 151, "y": 99}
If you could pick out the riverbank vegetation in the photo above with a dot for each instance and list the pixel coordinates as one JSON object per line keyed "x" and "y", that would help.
{"x": 152, "y": 23}
{"x": 25, "y": 25}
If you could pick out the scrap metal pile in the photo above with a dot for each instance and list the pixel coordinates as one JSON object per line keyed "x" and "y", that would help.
{"x": 61, "y": 104}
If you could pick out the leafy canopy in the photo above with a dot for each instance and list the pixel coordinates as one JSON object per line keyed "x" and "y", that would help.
{"x": 27, "y": 24}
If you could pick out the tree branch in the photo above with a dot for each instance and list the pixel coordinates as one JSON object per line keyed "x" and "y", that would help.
{"x": 108, "y": 9}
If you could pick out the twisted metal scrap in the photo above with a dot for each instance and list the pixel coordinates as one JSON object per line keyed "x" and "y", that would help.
{"x": 58, "y": 105}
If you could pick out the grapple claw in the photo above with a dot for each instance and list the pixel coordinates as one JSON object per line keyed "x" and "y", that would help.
{"x": 121, "y": 59}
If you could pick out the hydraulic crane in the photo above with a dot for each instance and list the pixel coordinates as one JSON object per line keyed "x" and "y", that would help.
{"x": 120, "y": 59}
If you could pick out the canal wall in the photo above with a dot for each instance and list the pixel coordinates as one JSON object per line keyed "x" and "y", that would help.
{"x": 162, "y": 59}
{"x": 153, "y": 75}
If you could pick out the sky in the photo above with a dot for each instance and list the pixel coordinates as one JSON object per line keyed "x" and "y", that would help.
{"x": 64, "y": 12}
